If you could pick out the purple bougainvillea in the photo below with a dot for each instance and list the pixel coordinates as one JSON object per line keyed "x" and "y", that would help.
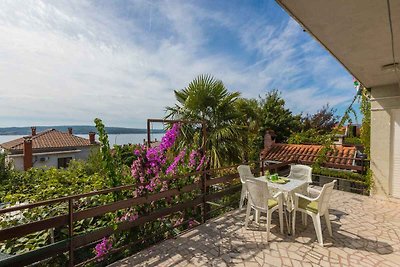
{"x": 168, "y": 140}
{"x": 201, "y": 163}
{"x": 103, "y": 247}
{"x": 152, "y": 170}
{"x": 172, "y": 168}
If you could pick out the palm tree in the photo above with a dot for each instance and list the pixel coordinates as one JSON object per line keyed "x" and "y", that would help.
{"x": 207, "y": 99}
{"x": 250, "y": 118}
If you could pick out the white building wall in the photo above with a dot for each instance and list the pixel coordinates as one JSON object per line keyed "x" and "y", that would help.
{"x": 384, "y": 100}
{"x": 52, "y": 159}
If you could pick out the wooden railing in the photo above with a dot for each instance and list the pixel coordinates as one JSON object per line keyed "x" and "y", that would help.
{"x": 75, "y": 241}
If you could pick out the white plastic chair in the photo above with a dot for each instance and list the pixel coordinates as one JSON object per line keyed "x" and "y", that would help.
{"x": 260, "y": 200}
{"x": 301, "y": 172}
{"x": 244, "y": 173}
{"x": 315, "y": 207}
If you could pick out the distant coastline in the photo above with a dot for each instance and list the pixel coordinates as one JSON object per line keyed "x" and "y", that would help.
{"x": 77, "y": 129}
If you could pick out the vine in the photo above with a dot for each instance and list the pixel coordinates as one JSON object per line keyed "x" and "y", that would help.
{"x": 365, "y": 135}
{"x": 327, "y": 144}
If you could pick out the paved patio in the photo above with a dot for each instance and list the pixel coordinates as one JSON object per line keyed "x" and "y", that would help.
{"x": 366, "y": 232}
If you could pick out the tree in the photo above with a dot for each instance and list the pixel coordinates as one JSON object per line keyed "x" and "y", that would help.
{"x": 249, "y": 119}
{"x": 323, "y": 121}
{"x": 276, "y": 117}
{"x": 207, "y": 99}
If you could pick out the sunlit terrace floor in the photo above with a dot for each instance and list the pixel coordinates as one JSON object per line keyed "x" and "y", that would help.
{"x": 366, "y": 232}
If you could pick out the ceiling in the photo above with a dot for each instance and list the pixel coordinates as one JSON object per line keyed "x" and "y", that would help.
{"x": 356, "y": 32}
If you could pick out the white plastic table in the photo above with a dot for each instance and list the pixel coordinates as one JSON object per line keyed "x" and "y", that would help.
{"x": 289, "y": 189}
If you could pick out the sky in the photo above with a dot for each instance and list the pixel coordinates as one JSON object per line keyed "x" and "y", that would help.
{"x": 68, "y": 62}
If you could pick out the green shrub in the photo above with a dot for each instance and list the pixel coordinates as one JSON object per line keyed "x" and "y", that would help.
{"x": 352, "y": 141}
{"x": 348, "y": 175}
{"x": 309, "y": 136}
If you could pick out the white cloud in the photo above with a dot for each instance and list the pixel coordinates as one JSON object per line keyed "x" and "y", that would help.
{"x": 69, "y": 62}
{"x": 308, "y": 100}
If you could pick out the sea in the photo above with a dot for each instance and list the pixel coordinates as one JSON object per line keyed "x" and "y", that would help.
{"x": 114, "y": 139}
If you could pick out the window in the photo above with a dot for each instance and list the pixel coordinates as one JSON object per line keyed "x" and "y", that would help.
{"x": 63, "y": 162}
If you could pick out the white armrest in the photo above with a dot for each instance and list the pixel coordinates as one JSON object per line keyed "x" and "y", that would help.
{"x": 313, "y": 190}
{"x": 306, "y": 197}
{"x": 277, "y": 195}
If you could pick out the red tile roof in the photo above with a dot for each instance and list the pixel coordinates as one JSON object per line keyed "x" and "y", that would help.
{"x": 49, "y": 139}
{"x": 342, "y": 155}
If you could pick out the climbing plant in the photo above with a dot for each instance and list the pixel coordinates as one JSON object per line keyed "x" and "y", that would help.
{"x": 327, "y": 143}
{"x": 365, "y": 108}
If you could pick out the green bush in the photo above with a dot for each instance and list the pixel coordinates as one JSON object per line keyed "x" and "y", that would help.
{"x": 309, "y": 136}
{"x": 352, "y": 141}
{"x": 348, "y": 175}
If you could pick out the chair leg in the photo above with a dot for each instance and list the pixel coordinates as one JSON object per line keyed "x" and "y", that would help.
{"x": 269, "y": 215}
{"x": 257, "y": 215}
{"x": 247, "y": 214}
{"x": 305, "y": 218}
{"x": 328, "y": 222}
{"x": 242, "y": 197}
{"x": 281, "y": 217}
{"x": 317, "y": 225}
{"x": 294, "y": 222}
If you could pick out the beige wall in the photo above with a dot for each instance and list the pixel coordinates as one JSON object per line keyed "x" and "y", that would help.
{"x": 381, "y": 135}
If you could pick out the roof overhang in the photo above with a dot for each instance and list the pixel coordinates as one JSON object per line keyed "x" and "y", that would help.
{"x": 357, "y": 33}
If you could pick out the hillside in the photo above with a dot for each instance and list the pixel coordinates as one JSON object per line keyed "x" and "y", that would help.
{"x": 77, "y": 129}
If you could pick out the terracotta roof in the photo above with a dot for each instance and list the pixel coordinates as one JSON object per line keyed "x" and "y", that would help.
{"x": 49, "y": 139}
{"x": 342, "y": 155}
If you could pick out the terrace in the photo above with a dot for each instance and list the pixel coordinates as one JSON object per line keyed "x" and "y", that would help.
{"x": 366, "y": 232}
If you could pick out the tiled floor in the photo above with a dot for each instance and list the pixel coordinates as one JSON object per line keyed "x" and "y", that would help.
{"x": 366, "y": 232}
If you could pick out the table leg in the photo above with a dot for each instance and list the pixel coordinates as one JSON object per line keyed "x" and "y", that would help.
{"x": 288, "y": 221}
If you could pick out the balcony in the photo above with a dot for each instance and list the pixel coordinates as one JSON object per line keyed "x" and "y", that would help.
{"x": 366, "y": 232}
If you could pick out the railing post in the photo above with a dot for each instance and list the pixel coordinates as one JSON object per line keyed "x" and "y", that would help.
{"x": 203, "y": 192}
{"x": 148, "y": 133}
{"x": 262, "y": 168}
{"x": 71, "y": 230}
{"x": 205, "y": 175}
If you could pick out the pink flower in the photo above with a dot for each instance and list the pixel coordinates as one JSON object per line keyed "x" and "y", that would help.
{"x": 178, "y": 222}
{"x": 152, "y": 155}
{"x": 192, "y": 158}
{"x": 201, "y": 163}
{"x": 168, "y": 140}
{"x": 103, "y": 247}
{"x": 172, "y": 168}
{"x": 191, "y": 223}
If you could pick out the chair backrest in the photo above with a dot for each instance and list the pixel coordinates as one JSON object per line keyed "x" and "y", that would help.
{"x": 301, "y": 172}
{"x": 258, "y": 193}
{"x": 325, "y": 196}
{"x": 244, "y": 173}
